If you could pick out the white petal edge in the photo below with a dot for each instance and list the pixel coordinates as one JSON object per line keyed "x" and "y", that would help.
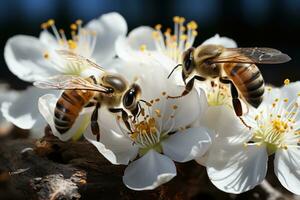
{"x": 24, "y": 57}
{"x": 108, "y": 28}
{"x": 224, "y": 41}
{"x": 187, "y": 145}
{"x": 149, "y": 171}
{"x": 23, "y": 110}
{"x": 287, "y": 168}
{"x": 236, "y": 169}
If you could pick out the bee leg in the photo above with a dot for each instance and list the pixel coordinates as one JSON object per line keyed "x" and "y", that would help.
{"x": 237, "y": 105}
{"x": 188, "y": 87}
{"x": 94, "y": 122}
{"x": 125, "y": 117}
{"x": 183, "y": 77}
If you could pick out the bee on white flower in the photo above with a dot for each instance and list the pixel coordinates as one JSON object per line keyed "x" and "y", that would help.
{"x": 35, "y": 58}
{"x": 162, "y": 133}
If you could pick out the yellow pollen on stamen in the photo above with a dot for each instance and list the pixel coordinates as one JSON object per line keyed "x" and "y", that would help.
{"x": 78, "y": 22}
{"x": 163, "y": 93}
{"x": 143, "y": 47}
{"x": 44, "y": 25}
{"x": 195, "y": 33}
{"x": 192, "y": 25}
{"x": 73, "y": 27}
{"x": 286, "y": 100}
{"x": 279, "y": 125}
{"x": 181, "y": 19}
{"x": 50, "y": 22}
{"x": 72, "y": 44}
{"x": 157, "y": 100}
{"x": 158, "y": 113}
{"x": 174, "y": 107}
{"x": 46, "y": 55}
{"x": 158, "y": 26}
{"x": 176, "y": 19}
{"x": 286, "y": 81}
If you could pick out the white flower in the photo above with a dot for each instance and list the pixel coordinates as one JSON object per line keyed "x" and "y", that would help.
{"x": 160, "y": 134}
{"x": 6, "y": 95}
{"x": 240, "y": 166}
{"x": 165, "y": 47}
{"x": 32, "y": 59}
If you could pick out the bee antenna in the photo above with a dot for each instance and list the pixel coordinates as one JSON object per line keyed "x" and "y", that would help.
{"x": 174, "y": 70}
{"x": 146, "y": 102}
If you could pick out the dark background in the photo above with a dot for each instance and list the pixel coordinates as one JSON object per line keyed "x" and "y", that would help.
{"x": 269, "y": 23}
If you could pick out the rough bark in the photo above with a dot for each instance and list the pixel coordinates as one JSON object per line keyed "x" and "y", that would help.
{"x": 51, "y": 169}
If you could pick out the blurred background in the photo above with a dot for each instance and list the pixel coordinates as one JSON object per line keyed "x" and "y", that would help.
{"x": 264, "y": 23}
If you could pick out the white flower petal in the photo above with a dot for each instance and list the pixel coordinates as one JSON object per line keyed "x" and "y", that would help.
{"x": 236, "y": 169}
{"x": 47, "y": 105}
{"x": 142, "y": 35}
{"x": 287, "y": 168}
{"x": 186, "y": 145}
{"x": 113, "y": 146}
{"x": 129, "y": 48}
{"x": 224, "y": 41}
{"x": 24, "y": 57}
{"x": 48, "y": 39}
{"x": 149, "y": 171}
{"x": 23, "y": 111}
{"x": 290, "y": 91}
{"x": 108, "y": 28}
{"x": 189, "y": 108}
{"x": 223, "y": 120}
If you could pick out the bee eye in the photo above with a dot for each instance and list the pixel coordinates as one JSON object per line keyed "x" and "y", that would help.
{"x": 188, "y": 63}
{"x": 129, "y": 100}
{"x": 110, "y": 90}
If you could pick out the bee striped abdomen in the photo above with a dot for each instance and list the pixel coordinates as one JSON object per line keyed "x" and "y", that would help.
{"x": 249, "y": 81}
{"x": 68, "y": 107}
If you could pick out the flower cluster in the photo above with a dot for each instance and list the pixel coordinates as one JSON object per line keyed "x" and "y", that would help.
{"x": 154, "y": 131}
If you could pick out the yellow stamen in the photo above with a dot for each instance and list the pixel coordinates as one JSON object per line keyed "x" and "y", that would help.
{"x": 143, "y": 47}
{"x": 46, "y": 55}
{"x": 286, "y": 81}
{"x": 50, "y": 22}
{"x": 192, "y": 25}
{"x": 72, "y": 44}
{"x": 73, "y": 27}
{"x": 158, "y": 26}
{"x": 78, "y": 22}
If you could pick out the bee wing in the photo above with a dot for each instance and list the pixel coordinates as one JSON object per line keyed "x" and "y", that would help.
{"x": 69, "y": 82}
{"x": 81, "y": 60}
{"x": 251, "y": 55}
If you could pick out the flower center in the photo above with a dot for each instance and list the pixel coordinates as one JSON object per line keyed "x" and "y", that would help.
{"x": 82, "y": 42}
{"x": 277, "y": 127}
{"x": 152, "y": 125}
{"x": 173, "y": 45}
{"x": 218, "y": 94}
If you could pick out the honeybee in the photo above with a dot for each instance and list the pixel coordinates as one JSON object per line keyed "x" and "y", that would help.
{"x": 234, "y": 66}
{"x": 110, "y": 90}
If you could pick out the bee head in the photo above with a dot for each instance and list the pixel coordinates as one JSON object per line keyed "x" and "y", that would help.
{"x": 131, "y": 97}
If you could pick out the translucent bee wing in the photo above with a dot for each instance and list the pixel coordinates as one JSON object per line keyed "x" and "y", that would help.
{"x": 251, "y": 55}
{"x": 69, "y": 82}
{"x": 81, "y": 60}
